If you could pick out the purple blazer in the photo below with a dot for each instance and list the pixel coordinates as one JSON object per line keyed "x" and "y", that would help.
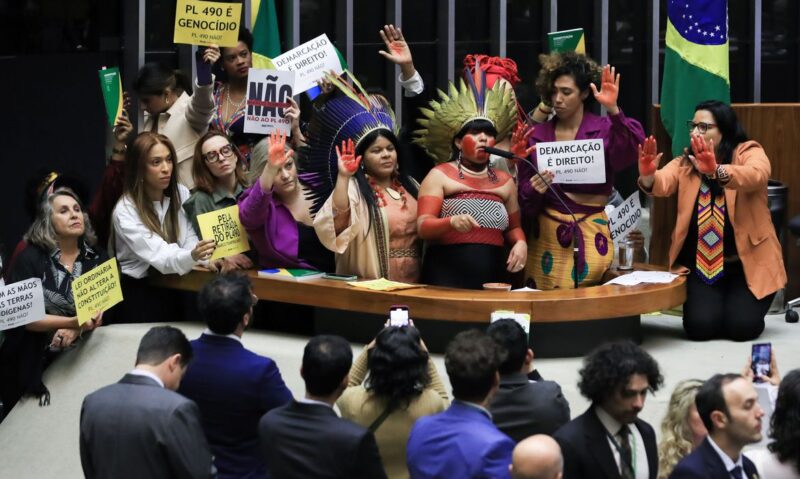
{"x": 621, "y": 137}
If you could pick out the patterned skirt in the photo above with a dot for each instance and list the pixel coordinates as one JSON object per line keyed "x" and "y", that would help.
{"x": 550, "y": 264}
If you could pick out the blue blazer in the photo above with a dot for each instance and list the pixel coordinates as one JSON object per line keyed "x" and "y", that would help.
{"x": 233, "y": 387}
{"x": 459, "y": 442}
{"x": 705, "y": 463}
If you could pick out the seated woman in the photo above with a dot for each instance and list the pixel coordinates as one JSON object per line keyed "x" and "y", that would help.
{"x": 151, "y": 232}
{"x": 466, "y": 206}
{"x": 682, "y": 430}
{"x": 723, "y": 237}
{"x": 369, "y": 218}
{"x": 567, "y": 82}
{"x": 219, "y": 179}
{"x": 276, "y": 213}
{"x": 402, "y": 386}
{"x": 61, "y": 247}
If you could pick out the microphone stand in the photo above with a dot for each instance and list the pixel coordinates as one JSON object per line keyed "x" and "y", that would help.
{"x": 575, "y": 229}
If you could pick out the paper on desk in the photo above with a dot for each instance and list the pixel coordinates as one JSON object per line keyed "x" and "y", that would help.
{"x": 639, "y": 277}
{"x": 383, "y": 284}
{"x": 525, "y": 290}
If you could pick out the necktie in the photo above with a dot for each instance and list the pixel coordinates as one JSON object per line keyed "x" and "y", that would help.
{"x": 625, "y": 453}
{"x": 154, "y": 127}
{"x": 710, "y": 225}
{"x": 736, "y": 472}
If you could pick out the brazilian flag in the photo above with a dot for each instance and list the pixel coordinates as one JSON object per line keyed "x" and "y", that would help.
{"x": 266, "y": 36}
{"x": 695, "y": 63}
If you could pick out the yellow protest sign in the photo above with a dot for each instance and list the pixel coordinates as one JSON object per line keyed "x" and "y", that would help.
{"x": 224, "y": 227}
{"x": 97, "y": 290}
{"x": 205, "y": 23}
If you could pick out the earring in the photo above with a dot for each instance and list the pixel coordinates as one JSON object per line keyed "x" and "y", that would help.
{"x": 458, "y": 162}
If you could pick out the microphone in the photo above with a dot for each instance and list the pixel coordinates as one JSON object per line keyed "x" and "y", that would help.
{"x": 575, "y": 230}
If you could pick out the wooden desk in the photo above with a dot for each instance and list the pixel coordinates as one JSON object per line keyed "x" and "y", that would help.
{"x": 567, "y": 322}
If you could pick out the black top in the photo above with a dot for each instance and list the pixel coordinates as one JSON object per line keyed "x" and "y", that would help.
{"x": 688, "y": 254}
{"x": 311, "y": 250}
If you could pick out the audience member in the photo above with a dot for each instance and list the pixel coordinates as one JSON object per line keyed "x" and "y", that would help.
{"x": 151, "y": 231}
{"x": 139, "y": 427}
{"x": 306, "y": 438}
{"x": 682, "y": 430}
{"x": 232, "y": 386}
{"x": 537, "y": 457}
{"x": 523, "y": 406}
{"x": 782, "y": 457}
{"x": 608, "y": 440}
{"x": 403, "y": 385}
{"x": 728, "y": 406}
{"x": 462, "y": 441}
{"x": 60, "y": 247}
{"x": 219, "y": 178}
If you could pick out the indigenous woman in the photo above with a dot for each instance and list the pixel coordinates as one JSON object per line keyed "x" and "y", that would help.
{"x": 276, "y": 213}
{"x": 219, "y": 179}
{"x": 60, "y": 247}
{"x": 152, "y": 234}
{"x": 566, "y": 81}
{"x": 465, "y": 206}
{"x": 369, "y": 218}
{"x": 723, "y": 237}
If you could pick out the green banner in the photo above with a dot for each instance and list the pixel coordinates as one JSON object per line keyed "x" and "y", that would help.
{"x": 567, "y": 41}
{"x": 111, "y": 85}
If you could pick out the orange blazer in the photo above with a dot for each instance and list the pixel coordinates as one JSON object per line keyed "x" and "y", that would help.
{"x": 746, "y": 202}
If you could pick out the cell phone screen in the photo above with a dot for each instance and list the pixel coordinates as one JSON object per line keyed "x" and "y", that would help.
{"x": 398, "y": 316}
{"x": 762, "y": 354}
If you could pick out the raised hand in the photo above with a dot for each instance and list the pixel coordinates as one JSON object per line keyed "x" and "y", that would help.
{"x": 211, "y": 54}
{"x": 648, "y": 157}
{"x": 609, "y": 89}
{"x": 277, "y": 154}
{"x": 348, "y": 161}
{"x": 704, "y": 159}
{"x": 122, "y": 128}
{"x": 396, "y": 46}
{"x": 519, "y": 140}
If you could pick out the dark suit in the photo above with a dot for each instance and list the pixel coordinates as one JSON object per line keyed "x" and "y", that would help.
{"x": 705, "y": 463}
{"x": 522, "y": 408}
{"x": 587, "y": 453}
{"x": 135, "y": 429}
{"x": 233, "y": 388}
{"x": 300, "y": 440}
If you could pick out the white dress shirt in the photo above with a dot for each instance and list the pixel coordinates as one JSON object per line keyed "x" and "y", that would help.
{"x": 413, "y": 86}
{"x": 138, "y": 248}
{"x": 142, "y": 372}
{"x": 637, "y": 443}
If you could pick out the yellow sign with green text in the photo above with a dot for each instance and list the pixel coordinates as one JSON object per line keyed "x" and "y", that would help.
{"x": 224, "y": 227}
{"x": 97, "y": 290}
{"x": 206, "y": 23}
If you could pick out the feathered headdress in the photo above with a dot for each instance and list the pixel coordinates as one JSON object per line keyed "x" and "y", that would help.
{"x": 470, "y": 101}
{"x": 350, "y": 116}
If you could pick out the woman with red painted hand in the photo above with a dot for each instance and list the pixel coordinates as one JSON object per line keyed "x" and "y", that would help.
{"x": 723, "y": 237}
{"x": 61, "y": 247}
{"x": 468, "y": 211}
{"x": 276, "y": 213}
{"x": 566, "y": 83}
{"x": 151, "y": 232}
{"x": 220, "y": 178}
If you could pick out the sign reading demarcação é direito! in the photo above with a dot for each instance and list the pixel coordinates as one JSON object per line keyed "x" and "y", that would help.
{"x": 268, "y": 95}
{"x": 97, "y": 290}
{"x": 310, "y": 61}
{"x": 625, "y": 217}
{"x": 207, "y": 23}
{"x": 21, "y": 303}
{"x": 576, "y": 162}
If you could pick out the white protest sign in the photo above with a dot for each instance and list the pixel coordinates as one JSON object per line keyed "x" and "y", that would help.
{"x": 311, "y": 61}
{"x": 575, "y": 162}
{"x": 268, "y": 94}
{"x": 625, "y": 217}
{"x": 21, "y": 303}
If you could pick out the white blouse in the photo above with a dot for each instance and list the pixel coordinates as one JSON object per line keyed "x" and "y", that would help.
{"x": 138, "y": 248}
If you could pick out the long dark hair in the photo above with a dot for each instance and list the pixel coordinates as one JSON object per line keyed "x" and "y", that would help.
{"x": 398, "y": 365}
{"x": 729, "y": 127}
{"x": 156, "y": 79}
{"x": 785, "y": 421}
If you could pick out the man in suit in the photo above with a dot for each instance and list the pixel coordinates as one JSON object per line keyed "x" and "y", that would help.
{"x": 305, "y": 438}
{"x": 523, "y": 406}
{"x": 462, "y": 441}
{"x": 537, "y": 457}
{"x": 728, "y": 406}
{"x": 232, "y": 386}
{"x": 139, "y": 427}
{"x": 608, "y": 441}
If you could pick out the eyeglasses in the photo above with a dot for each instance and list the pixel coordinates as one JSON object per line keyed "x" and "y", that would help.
{"x": 214, "y": 156}
{"x": 701, "y": 126}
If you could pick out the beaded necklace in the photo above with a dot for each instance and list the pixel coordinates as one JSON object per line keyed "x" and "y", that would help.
{"x": 380, "y": 198}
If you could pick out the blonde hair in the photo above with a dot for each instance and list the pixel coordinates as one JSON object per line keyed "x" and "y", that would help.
{"x": 676, "y": 435}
